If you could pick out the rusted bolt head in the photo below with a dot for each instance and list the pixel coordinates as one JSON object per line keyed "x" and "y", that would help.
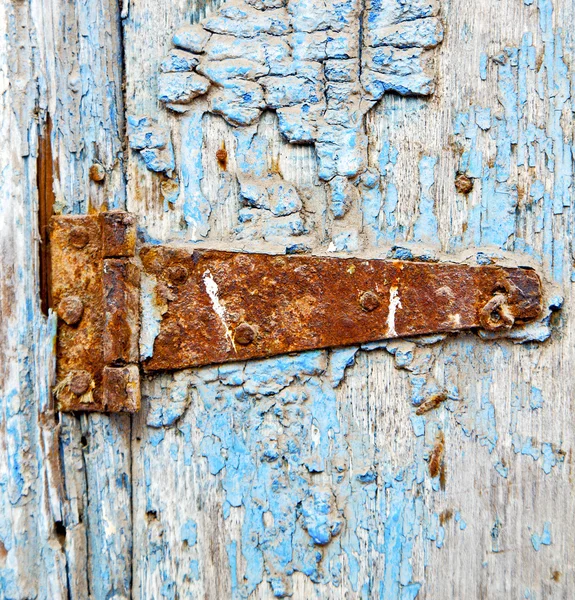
{"x": 369, "y": 301}
{"x": 463, "y": 184}
{"x": 177, "y": 274}
{"x": 222, "y": 156}
{"x": 78, "y": 237}
{"x": 70, "y": 310}
{"x": 97, "y": 173}
{"x": 80, "y": 382}
{"x": 496, "y": 314}
{"x": 245, "y": 334}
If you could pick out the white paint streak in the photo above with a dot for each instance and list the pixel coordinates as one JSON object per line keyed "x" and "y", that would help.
{"x": 394, "y": 304}
{"x": 213, "y": 292}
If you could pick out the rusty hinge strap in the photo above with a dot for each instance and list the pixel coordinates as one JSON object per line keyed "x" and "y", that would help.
{"x": 226, "y": 306}
{"x": 211, "y": 306}
{"x": 96, "y": 287}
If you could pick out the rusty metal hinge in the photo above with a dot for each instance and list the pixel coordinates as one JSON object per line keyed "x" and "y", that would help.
{"x": 215, "y": 307}
{"x": 96, "y": 289}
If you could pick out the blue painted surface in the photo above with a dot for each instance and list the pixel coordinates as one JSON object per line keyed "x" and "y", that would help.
{"x": 66, "y": 69}
{"x": 543, "y": 539}
{"x": 271, "y": 429}
{"x": 314, "y": 492}
{"x": 304, "y": 62}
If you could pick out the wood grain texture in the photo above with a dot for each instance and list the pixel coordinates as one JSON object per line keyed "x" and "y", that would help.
{"x": 472, "y": 498}
{"x": 31, "y": 494}
{"x": 313, "y": 474}
{"x": 64, "y": 484}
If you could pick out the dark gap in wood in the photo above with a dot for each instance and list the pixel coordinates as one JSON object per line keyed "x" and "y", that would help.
{"x": 60, "y": 531}
{"x": 45, "y": 183}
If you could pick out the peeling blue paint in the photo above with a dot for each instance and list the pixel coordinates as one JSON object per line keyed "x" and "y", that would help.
{"x": 153, "y": 143}
{"x": 189, "y": 533}
{"x": 270, "y": 430}
{"x": 195, "y": 207}
{"x": 543, "y": 539}
{"x": 483, "y": 59}
{"x": 363, "y": 53}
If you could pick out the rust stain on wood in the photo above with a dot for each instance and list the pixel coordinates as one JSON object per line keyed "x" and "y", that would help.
{"x": 436, "y": 463}
{"x": 222, "y": 157}
{"x": 431, "y": 402}
{"x": 445, "y": 516}
{"x": 45, "y": 181}
{"x": 296, "y": 303}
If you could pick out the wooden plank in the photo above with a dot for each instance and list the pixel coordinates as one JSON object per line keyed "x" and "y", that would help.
{"x": 31, "y": 493}
{"x": 471, "y": 499}
{"x": 61, "y": 109}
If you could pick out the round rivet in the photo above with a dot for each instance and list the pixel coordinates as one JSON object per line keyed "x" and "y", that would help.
{"x": 80, "y": 382}
{"x": 369, "y": 301}
{"x": 78, "y": 237}
{"x": 222, "y": 157}
{"x": 97, "y": 173}
{"x": 245, "y": 334}
{"x": 177, "y": 274}
{"x": 70, "y": 310}
{"x": 463, "y": 184}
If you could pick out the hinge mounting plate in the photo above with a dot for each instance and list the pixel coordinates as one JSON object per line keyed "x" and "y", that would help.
{"x": 95, "y": 289}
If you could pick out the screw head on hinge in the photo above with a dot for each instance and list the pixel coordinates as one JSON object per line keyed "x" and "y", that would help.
{"x": 245, "y": 334}
{"x": 70, "y": 310}
{"x": 177, "y": 274}
{"x": 369, "y": 301}
{"x": 496, "y": 315}
{"x": 78, "y": 237}
{"x": 97, "y": 173}
{"x": 80, "y": 382}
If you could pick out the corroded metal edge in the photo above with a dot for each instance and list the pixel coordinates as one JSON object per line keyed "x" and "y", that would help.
{"x": 223, "y": 306}
{"x": 97, "y": 302}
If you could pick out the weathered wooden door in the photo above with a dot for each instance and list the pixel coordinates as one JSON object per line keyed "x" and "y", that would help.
{"x": 439, "y": 467}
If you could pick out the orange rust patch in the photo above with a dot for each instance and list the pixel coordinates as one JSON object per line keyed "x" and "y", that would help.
{"x": 463, "y": 184}
{"x": 222, "y": 157}
{"x": 103, "y": 327}
{"x": 299, "y": 303}
{"x": 445, "y": 516}
{"x": 431, "y": 402}
{"x": 436, "y": 457}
